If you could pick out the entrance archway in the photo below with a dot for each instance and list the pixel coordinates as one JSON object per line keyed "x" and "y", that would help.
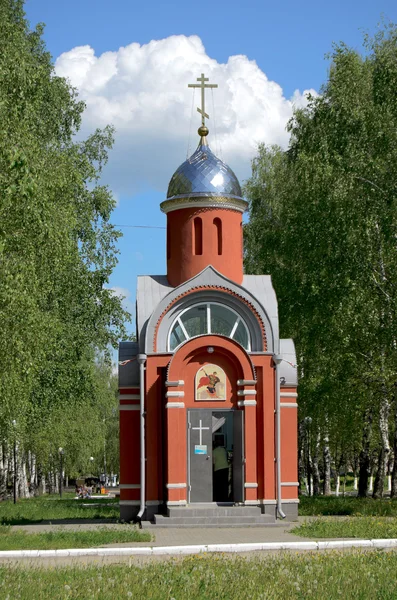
{"x": 203, "y": 398}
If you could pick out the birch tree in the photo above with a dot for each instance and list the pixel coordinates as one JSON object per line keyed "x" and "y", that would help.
{"x": 323, "y": 223}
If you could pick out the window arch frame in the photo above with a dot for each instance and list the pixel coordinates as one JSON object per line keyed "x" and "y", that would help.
{"x": 177, "y": 320}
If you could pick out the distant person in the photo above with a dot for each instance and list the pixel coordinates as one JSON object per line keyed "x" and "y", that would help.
{"x": 221, "y": 471}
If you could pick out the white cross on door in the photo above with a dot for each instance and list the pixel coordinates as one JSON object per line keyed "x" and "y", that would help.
{"x": 200, "y": 429}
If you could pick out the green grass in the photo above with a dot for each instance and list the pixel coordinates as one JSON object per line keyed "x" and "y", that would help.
{"x": 52, "y": 508}
{"x": 331, "y": 575}
{"x": 347, "y": 506}
{"x": 55, "y": 540}
{"x": 349, "y": 527}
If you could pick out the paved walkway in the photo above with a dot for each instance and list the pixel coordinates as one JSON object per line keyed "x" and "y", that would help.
{"x": 186, "y": 536}
{"x": 260, "y": 542}
{"x": 161, "y": 537}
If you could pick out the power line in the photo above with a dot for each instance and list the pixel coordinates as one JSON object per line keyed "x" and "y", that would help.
{"x": 140, "y": 226}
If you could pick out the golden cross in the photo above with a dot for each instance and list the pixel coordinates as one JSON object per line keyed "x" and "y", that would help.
{"x": 202, "y": 85}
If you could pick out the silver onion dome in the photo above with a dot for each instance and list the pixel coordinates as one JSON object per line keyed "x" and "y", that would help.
{"x": 204, "y": 180}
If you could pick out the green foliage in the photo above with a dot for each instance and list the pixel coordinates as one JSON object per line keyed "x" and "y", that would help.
{"x": 55, "y": 540}
{"x": 323, "y": 223}
{"x": 52, "y": 508}
{"x": 333, "y": 575}
{"x": 57, "y": 251}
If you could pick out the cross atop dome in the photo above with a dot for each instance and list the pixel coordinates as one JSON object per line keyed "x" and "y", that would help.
{"x": 203, "y": 130}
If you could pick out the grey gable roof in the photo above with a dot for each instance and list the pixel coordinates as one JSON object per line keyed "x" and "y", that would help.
{"x": 152, "y": 290}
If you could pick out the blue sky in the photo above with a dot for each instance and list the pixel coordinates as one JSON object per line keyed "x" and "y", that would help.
{"x": 108, "y": 51}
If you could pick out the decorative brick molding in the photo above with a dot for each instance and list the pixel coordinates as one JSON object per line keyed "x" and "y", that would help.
{"x": 207, "y": 288}
{"x": 212, "y": 208}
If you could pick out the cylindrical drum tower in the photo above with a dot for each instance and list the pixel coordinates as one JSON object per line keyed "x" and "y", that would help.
{"x": 204, "y": 210}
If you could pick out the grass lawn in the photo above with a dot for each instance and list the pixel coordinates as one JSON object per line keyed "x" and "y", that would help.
{"x": 348, "y": 506}
{"x": 52, "y": 508}
{"x": 331, "y": 575}
{"x": 55, "y": 540}
{"x": 349, "y": 527}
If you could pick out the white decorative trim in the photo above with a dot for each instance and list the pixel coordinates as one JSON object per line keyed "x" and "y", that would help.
{"x": 202, "y": 202}
{"x": 174, "y": 383}
{"x": 288, "y": 394}
{"x": 265, "y": 502}
{"x": 175, "y": 394}
{"x": 246, "y": 393}
{"x": 246, "y": 403}
{"x": 175, "y": 486}
{"x": 290, "y": 483}
{"x": 176, "y": 503}
{"x": 129, "y": 486}
{"x": 250, "y": 485}
{"x": 129, "y": 407}
{"x": 129, "y": 396}
{"x": 251, "y": 502}
{"x": 288, "y": 405}
{"x": 175, "y": 405}
{"x": 246, "y": 382}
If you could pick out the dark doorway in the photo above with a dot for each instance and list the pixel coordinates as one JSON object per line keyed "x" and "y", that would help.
{"x": 222, "y": 456}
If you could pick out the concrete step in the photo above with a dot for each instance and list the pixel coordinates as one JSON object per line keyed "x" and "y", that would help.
{"x": 149, "y": 525}
{"x": 214, "y": 511}
{"x": 216, "y": 521}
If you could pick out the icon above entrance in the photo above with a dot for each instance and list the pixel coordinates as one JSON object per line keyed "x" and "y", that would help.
{"x": 210, "y": 383}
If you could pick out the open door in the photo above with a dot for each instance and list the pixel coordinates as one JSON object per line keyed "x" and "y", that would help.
{"x": 200, "y": 455}
{"x": 238, "y": 456}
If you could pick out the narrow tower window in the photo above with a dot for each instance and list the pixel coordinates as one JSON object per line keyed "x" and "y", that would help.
{"x": 198, "y": 236}
{"x": 218, "y": 230}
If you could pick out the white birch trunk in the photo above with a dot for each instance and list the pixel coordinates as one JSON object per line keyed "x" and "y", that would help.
{"x": 371, "y": 483}
{"x": 337, "y": 487}
{"x": 355, "y": 484}
{"x": 3, "y": 471}
{"x": 33, "y": 474}
{"x": 327, "y": 466}
{"x": 23, "y": 487}
{"x": 389, "y": 483}
{"x": 385, "y": 452}
{"x": 43, "y": 484}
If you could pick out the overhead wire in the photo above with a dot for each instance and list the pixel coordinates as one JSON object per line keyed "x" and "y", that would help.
{"x": 140, "y": 226}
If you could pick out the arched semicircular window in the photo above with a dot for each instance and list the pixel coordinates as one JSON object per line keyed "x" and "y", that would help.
{"x": 207, "y": 318}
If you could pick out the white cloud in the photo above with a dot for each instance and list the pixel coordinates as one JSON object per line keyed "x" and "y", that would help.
{"x": 125, "y": 296}
{"x": 142, "y": 91}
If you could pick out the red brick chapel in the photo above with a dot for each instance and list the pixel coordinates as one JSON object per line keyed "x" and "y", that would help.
{"x": 208, "y": 393}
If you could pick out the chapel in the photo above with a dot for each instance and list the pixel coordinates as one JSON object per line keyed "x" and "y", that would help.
{"x": 208, "y": 392}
